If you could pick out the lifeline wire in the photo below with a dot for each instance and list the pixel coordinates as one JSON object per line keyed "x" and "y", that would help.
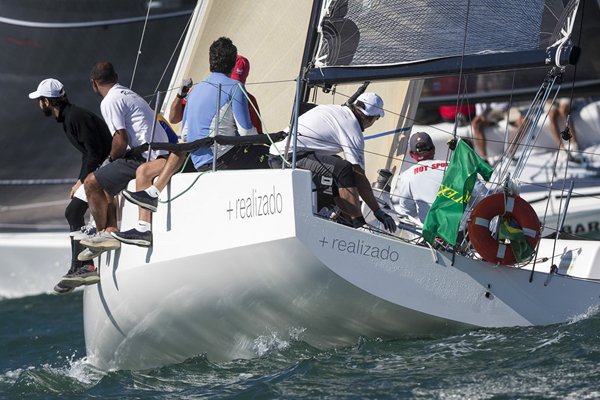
{"x": 140, "y": 48}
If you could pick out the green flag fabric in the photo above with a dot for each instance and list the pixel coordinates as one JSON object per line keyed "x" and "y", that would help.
{"x": 509, "y": 229}
{"x": 443, "y": 218}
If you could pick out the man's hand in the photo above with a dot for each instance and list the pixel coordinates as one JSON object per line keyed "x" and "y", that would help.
{"x": 74, "y": 188}
{"x": 186, "y": 85}
{"x": 387, "y": 221}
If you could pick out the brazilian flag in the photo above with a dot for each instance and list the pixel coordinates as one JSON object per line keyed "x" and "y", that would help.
{"x": 509, "y": 229}
{"x": 443, "y": 218}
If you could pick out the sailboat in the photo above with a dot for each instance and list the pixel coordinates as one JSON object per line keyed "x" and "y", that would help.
{"x": 244, "y": 255}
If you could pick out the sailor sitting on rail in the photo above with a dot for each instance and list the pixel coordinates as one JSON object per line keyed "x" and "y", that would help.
{"x": 418, "y": 186}
{"x": 199, "y": 116}
{"x": 131, "y": 122}
{"x": 327, "y": 130}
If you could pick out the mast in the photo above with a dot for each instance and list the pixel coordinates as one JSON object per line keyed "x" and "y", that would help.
{"x": 309, "y": 47}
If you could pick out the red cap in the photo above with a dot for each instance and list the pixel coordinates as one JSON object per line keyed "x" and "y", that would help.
{"x": 241, "y": 70}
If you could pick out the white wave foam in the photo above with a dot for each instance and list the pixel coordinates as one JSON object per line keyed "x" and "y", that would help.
{"x": 78, "y": 369}
{"x": 593, "y": 310}
{"x": 266, "y": 343}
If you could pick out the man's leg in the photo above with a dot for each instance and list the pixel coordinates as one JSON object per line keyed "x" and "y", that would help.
{"x": 173, "y": 165}
{"x": 143, "y": 179}
{"x": 553, "y": 117}
{"x": 348, "y": 202}
{"x": 147, "y": 193}
{"x": 111, "y": 213}
{"x": 341, "y": 170}
{"x": 102, "y": 186}
{"x": 479, "y": 124}
{"x": 97, "y": 201}
{"x": 74, "y": 214}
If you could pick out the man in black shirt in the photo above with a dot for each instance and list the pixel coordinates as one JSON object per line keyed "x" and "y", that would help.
{"x": 90, "y": 135}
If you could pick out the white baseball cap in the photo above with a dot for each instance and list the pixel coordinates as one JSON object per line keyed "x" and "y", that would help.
{"x": 373, "y": 104}
{"x": 48, "y": 88}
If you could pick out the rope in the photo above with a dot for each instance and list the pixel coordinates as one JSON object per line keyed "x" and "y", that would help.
{"x": 174, "y": 51}
{"x": 263, "y": 125}
{"x": 462, "y": 58}
{"x": 140, "y": 48}
{"x": 185, "y": 190}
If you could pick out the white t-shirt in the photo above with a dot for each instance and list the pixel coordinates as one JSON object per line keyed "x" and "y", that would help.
{"x": 124, "y": 109}
{"x": 329, "y": 129}
{"x": 418, "y": 187}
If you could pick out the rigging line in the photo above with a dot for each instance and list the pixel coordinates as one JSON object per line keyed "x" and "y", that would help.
{"x": 175, "y": 50}
{"x": 140, "y": 48}
{"x": 510, "y": 152}
{"x": 415, "y": 121}
{"x": 532, "y": 137}
{"x": 575, "y": 69}
{"x": 177, "y": 87}
{"x": 559, "y": 206}
{"x": 512, "y": 88}
{"x": 462, "y": 60}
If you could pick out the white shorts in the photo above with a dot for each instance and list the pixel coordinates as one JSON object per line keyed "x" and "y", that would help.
{"x": 80, "y": 194}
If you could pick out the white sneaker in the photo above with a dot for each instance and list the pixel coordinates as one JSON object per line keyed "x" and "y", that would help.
{"x": 101, "y": 241}
{"x": 85, "y": 232}
{"x": 89, "y": 254}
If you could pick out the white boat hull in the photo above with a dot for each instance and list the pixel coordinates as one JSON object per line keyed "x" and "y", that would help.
{"x": 241, "y": 257}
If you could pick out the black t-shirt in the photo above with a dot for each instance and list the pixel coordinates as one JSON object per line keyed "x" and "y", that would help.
{"x": 89, "y": 134}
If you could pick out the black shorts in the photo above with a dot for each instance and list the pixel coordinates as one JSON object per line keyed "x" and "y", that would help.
{"x": 115, "y": 176}
{"x": 322, "y": 165}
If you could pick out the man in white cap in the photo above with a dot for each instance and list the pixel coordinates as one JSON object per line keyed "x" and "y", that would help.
{"x": 327, "y": 130}
{"x": 89, "y": 134}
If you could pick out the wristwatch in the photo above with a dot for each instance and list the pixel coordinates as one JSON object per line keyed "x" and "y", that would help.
{"x": 110, "y": 159}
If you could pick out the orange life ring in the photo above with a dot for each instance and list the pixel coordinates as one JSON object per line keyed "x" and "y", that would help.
{"x": 492, "y": 206}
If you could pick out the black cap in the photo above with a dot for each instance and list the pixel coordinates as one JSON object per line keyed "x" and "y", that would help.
{"x": 420, "y": 142}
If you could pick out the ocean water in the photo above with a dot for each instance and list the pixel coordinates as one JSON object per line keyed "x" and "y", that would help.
{"x": 42, "y": 356}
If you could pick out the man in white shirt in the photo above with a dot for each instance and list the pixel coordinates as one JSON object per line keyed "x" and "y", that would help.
{"x": 327, "y": 130}
{"x": 129, "y": 119}
{"x": 418, "y": 186}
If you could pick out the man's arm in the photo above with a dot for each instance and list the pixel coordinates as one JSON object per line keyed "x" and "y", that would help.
{"x": 241, "y": 114}
{"x": 366, "y": 193}
{"x": 176, "y": 113}
{"x": 119, "y": 144}
{"x": 364, "y": 187}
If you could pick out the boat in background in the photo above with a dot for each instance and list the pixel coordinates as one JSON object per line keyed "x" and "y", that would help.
{"x": 42, "y": 40}
{"x": 32, "y": 263}
{"x": 546, "y": 166}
